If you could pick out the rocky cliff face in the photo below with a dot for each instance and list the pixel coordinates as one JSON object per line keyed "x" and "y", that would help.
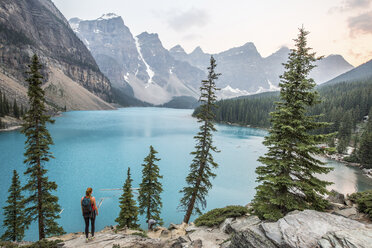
{"x": 140, "y": 66}
{"x": 30, "y": 27}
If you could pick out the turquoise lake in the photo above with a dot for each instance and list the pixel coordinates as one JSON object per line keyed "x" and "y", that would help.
{"x": 95, "y": 148}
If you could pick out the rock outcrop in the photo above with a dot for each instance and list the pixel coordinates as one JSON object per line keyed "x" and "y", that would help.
{"x": 298, "y": 229}
{"x": 304, "y": 229}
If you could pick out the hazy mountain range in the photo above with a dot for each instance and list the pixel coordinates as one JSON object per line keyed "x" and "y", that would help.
{"x": 143, "y": 68}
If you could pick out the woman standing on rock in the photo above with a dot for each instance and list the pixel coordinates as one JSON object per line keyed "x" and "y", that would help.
{"x": 89, "y": 210}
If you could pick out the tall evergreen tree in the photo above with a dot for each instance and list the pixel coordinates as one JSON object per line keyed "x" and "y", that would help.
{"x": 287, "y": 178}
{"x": 198, "y": 179}
{"x": 365, "y": 154}
{"x": 149, "y": 199}
{"x": 21, "y": 111}
{"x": 15, "y": 109}
{"x": 128, "y": 215}
{"x": 1, "y": 105}
{"x": 14, "y": 212}
{"x": 42, "y": 205}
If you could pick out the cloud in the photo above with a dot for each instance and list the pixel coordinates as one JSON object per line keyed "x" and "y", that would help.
{"x": 361, "y": 56}
{"x": 361, "y": 24}
{"x": 191, "y": 37}
{"x": 353, "y": 4}
{"x": 349, "y": 5}
{"x": 181, "y": 21}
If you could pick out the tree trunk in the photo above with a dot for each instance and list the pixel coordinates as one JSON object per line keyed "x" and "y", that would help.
{"x": 39, "y": 191}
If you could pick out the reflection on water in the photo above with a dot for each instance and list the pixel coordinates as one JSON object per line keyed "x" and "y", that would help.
{"x": 346, "y": 179}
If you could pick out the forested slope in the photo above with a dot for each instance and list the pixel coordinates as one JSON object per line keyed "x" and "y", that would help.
{"x": 342, "y": 102}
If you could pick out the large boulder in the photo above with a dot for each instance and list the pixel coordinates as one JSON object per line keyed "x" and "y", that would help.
{"x": 299, "y": 229}
{"x": 210, "y": 237}
{"x": 358, "y": 238}
{"x": 336, "y": 197}
{"x": 304, "y": 229}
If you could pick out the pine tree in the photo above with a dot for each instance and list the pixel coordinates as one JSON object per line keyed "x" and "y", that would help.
{"x": 149, "y": 199}
{"x": 42, "y": 205}
{"x": 198, "y": 179}
{"x": 128, "y": 215}
{"x": 14, "y": 212}
{"x": 287, "y": 178}
{"x": 15, "y": 109}
{"x": 365, "y": 149}
{"x": 1, "y": 105}
{"x": 22, "y": 111}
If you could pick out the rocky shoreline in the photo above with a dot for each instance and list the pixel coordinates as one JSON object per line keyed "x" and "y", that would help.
{"x": 341, "y": 226}
{"x": 340, "y": 158}
{"x": 10, "y": 123}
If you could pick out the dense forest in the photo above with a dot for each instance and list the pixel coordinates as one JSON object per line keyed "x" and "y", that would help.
{"x": 343, "y": 104}
{"x": 9, "y": 109}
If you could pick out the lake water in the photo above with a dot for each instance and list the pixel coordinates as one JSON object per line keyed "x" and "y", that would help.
{"x": 94, "y": 149}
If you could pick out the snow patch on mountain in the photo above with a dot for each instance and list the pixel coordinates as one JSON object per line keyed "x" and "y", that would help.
{"x": 152, "y": 93}
{"x": 108, "y": 16}
{"x": 272, "y": 87}
{"x": 260, "y": 90}
{"x": 230, "y": 92}
{"x": 75, "y": 26}
{"x": 148, "y": 69}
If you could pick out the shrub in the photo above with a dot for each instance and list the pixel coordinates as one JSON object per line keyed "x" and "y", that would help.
{"x": 115, "y": 246}
{"x": 141, "y": 234}
{"x": 352, "y": 159}
{"x": 364, "y": 201}
{"x": 8, "y": 244}
{"x": 218, "y": 215}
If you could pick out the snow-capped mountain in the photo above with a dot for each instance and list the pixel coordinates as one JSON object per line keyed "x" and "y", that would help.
{"x": 139, "y": 65}
{"x": 143, "y": 69}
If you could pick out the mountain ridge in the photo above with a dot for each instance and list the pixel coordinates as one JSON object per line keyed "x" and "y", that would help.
{"x": 38, "y": 27}
{"x": 144, "y": 68}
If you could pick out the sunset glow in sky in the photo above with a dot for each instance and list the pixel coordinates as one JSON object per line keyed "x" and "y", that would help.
{"x": 336, "y": 26}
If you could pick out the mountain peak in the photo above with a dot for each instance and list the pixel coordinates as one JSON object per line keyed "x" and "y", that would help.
{"x": 177, "y": 49}
{"x": 75, "y": 20}
{"x": 198, "y": 50}
{"x": 148, "y": 35}
{"x": 250, "y": 45}
{"x": 283, "y": 49}
{"x": 108, "y": 16}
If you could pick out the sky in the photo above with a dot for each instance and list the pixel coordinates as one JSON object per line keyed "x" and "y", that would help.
{"x": 336, "y": 26}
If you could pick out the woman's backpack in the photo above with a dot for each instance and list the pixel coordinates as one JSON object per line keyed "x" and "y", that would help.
{"x": 87, "y": 206}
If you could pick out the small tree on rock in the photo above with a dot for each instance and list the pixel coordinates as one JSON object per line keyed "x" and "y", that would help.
{"x": 14, "y": 221}
{"x": 150, "y": 188}
{"x": 128, "y": 215}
